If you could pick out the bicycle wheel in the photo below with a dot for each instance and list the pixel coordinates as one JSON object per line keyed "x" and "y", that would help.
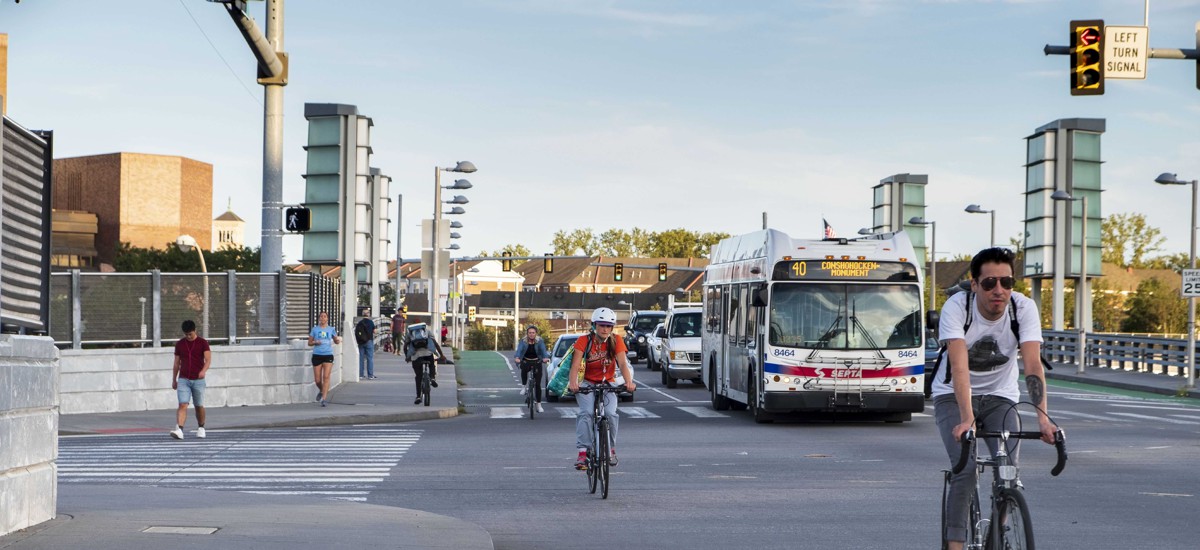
{"x": 592, "y": 471}
{"x": 603, "y": 456}
{"x": 529, "y": 400}
{"x": 1011, "y": 530}
{"x": 425, "y": 387}
{"x": 975, "y": 534}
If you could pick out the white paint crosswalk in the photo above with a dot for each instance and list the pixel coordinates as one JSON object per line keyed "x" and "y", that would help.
{"x": 338, "y": 463}
{"x": 625, "y": 411}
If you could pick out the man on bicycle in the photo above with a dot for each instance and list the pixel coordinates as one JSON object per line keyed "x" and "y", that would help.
{"x": 979, "y": 385}
{"x": 598, "y": 355}
{"x": 422, "y": 348}
{"x": 531, "y": 353}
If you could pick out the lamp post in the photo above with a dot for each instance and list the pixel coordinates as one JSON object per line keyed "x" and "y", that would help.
{"x": 917, "y": 220}
{"x": 186, "y": 243}
{"x": 142, "y": 300}
{"x": 465, "y": 167}
{"x": 1082, "y": 294}
{"x": 624, "y": 303}
{"x": 1167, "y": 178}
{"x": 865, "y": 231}
{"x": 975, "y": 209}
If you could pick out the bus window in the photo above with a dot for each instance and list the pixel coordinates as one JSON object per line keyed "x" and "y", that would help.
{"x": 740, "y": 321}
{"x": 731, "y": 328}
{"x": 751, "y": 317}
{"x": 714, "y": 308}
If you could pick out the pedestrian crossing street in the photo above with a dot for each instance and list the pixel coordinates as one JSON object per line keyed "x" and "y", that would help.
{"x": 1064, "y": 407}
{"x": 343, "y": 463}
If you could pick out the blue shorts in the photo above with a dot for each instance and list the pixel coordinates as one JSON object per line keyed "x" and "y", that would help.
{"x": 191, "y": 390}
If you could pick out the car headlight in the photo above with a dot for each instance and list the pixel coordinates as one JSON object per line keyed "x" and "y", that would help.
{"x": 641, "y": 339}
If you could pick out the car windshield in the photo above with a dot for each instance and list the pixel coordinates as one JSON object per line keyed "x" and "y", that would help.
{"x": 645, "y": 323}
{"x": 841, "y": 316}
{"x": 564, "y": 343}
{"x": 685, "y": 324}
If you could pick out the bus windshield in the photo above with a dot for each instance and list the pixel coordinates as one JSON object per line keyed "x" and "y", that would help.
{"x": 845, "y": 316}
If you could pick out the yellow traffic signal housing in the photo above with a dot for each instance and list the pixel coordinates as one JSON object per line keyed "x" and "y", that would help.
{"x": 618, "y": 272}
{"x": 662, "y": 271}
{"x": 1087, "y": 57}
{"x": 506, "y": 264}
{"x": 548, "y": 263}
{"x": 470, "y": 314}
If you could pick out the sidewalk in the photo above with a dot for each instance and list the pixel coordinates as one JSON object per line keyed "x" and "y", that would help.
{"x": 1124, "y": 380}
{"x": 110, "y": 516}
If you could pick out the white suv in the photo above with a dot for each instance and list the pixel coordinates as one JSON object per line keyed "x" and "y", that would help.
{"x": 681, "y": 345}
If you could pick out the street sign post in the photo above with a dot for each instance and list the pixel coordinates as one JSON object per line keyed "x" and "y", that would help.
{"x": 1126, "y": 50}
{"x": 1191, "y": 283}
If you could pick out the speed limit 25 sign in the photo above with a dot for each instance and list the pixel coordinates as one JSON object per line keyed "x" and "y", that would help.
{"x": 1191, "y": 283}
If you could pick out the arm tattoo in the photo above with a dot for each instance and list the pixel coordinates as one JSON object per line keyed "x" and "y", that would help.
{"x": 1036, "y": 389}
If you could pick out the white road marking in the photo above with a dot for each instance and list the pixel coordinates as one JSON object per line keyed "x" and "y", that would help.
{"x": 1160, "y": 419}
{"x": 507, "y": 412}
{"x": 702, "y": 412}
{"x": 636, "y": 412}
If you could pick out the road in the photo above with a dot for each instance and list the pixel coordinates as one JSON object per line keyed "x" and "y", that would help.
{"x": 691, "y": 477}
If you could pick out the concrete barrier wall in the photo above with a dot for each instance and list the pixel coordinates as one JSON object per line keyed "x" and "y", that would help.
{"x": 139, "y": 379}
{"x": 28, "y": 431}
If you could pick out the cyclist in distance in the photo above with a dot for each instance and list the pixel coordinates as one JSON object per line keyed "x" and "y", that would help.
{"x": 983, "y": 330}
{"x": 420, "y": 348}
{"x": 530, "y": 350}
{"x": 598, "y": 355}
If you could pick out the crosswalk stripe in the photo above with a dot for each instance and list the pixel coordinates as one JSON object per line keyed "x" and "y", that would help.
{"x": 703, "y": 412}
{"x": 1148, "y": 417}
{"x": 637, "y": 412}
{"x": 567, "y": 412}
{"x": 507, "y": 412}
{"x": 1054, "y": 413}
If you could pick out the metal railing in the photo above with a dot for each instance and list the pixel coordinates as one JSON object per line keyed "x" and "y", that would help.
{"x": 147, "y": 309}
{"x": 1133, "y": 353}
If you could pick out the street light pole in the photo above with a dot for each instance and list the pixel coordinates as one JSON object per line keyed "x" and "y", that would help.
{"x": 186, "y": 243}
{"x": 1082, "y": 296}
{"x": 917, "y": 220}
{"x": 466, "y": 167}
{"x": 976, "y": 209}
{"x": 1167, "y": 178}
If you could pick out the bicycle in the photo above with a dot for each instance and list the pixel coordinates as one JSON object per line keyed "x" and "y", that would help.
{"x": 598, "y": 454}
{"x": 425, "y": 386}
{"x": 532, "y": 384}
{"x": 1008, "y": 526}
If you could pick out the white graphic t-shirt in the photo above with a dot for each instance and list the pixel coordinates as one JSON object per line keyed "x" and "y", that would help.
{"x": 991, "y": 346}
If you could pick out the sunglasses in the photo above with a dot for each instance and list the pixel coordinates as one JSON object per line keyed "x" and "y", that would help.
{"x": 988, "y": 283}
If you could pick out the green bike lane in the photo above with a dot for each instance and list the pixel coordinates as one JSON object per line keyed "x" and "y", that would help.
{"x": 485, "y": 379}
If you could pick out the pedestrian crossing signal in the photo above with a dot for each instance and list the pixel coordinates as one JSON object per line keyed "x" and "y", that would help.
{"x": 1087, "y": 57}
{"x": 298, "y": 219}
{"x": 662, "y": 271}
{"x": 618, "y": 272}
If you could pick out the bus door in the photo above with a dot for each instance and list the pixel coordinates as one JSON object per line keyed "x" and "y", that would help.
{"x": 735, "y": 336}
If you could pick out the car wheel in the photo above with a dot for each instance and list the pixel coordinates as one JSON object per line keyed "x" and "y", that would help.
{"x": 650, "y": 362}
{"x": 666, "y": 376}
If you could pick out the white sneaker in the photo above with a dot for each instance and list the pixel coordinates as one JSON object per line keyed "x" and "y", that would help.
{"x": 200, "y": 433}
{"x": 539, "y": 408}
{"x": 524, "y": 390}
{"x": 177, "y": 433}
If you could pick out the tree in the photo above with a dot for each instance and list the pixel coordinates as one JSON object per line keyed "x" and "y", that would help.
{"x": 1126, "y": 240}
{"x": 1176, "y": 262}
{"x": 1108, "y": 307}
{"x": 618, "y": 242}
{"x": 170, "y": 259}
{"x": 512, "y": 249}
{"x": 1155, "y": 308}
{"x": 567, "y": 244}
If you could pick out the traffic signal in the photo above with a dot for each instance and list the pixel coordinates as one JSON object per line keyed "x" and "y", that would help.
{"x": 297, "y": 219}
{"x": 470, "y": 314}
{"x": 548, "y": 263}
{"x": 1087, "y": 57}
{"x": 618, "y": 272}
{"x": 506, "y": 264}
{"x": 662, "y": 271}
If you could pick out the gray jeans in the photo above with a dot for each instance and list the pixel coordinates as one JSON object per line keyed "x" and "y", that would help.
{"x": 992, "y": 413}
{"x": 583, "y": 419}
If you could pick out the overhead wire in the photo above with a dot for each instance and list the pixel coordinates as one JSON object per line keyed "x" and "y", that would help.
{"x": 218, "y": 52}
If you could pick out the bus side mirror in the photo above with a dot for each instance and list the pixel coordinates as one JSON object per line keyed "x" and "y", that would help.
{"x": 760, "y": 297}
{"x": 931, "y": 320}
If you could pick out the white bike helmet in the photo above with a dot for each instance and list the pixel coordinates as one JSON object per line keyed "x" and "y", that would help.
{"x": 604, "y": 315}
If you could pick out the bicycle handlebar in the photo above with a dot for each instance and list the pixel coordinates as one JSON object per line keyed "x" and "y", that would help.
{"x": 601, "y": 389}
{"x": 1060, "y": 446}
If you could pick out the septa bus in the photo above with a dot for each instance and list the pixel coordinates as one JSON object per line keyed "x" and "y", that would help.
{"x": 814, "y": 326}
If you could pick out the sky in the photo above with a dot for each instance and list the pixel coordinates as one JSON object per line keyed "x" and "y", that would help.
{"x": 601, "y": 114}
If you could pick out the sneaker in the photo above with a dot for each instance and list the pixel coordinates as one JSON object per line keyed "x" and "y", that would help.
{"x": 612, "y": 458}
{"x": 417, "y": 401}
{"x": 177, "y": 433}
{"x": 539, "y": 408}
{"x": 524, "y": 390}
{"x": 318, "y": 396}
{"x": 371, "y": 377}
{"x": 433, "y": 382}
{"x": 581, "y": 461}
{"x": 200, "y": 433}
{"x": 322, "y": 402}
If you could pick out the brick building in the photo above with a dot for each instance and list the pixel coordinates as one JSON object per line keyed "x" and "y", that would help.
{"x": 145, "y": 200}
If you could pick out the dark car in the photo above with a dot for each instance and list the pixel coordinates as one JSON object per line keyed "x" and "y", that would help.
{"x": 641, "y": 324}
{"x": 931, "y": 353}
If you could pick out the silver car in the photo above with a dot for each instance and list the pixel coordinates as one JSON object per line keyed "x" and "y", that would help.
{"x": 654, "y": 351}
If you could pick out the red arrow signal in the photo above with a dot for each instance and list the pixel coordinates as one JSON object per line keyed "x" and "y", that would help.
{"x": 1089, "y": 36}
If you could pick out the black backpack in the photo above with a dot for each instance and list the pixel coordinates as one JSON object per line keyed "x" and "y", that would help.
{"x": 362, "y": 332}
{"x": 1014, "y": 323}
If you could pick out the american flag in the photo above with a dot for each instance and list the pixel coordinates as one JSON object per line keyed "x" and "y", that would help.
{"x": 829, "y": 232}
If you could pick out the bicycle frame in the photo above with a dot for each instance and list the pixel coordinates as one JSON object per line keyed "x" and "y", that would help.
{"x": 426, "y": 389}
{"x": 598, "y": 454}
{"x": 532, "y": 383}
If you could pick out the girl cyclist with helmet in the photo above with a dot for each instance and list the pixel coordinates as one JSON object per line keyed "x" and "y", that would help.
{"x": 598, "y": 355}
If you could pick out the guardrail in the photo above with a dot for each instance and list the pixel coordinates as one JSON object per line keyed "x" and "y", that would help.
{"x": 1143, "y": 354}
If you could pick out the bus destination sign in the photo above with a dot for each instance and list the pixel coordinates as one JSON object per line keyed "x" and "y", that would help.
{"x": 843, "y": 270}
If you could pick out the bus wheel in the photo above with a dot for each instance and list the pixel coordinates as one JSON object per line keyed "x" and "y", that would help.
{"x": 719, "y": 402}
{"x": 756, "y": 412}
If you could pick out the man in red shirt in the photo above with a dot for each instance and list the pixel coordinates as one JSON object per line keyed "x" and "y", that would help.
{"x": 192, "y": 359}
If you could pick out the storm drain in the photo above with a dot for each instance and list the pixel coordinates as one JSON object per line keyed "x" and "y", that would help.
{"x": 166, "y": 530}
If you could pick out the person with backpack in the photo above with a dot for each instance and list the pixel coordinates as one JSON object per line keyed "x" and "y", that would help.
{"x": 364, "y": 334}
{"x": 398, "y": 320}
{"x": 598, "y": 355}
{"x": 976, "y": 382}
{"x": 421, "y": 348}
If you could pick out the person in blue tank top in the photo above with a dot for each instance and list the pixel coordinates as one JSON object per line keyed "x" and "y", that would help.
{"x": 322, "y": 337}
